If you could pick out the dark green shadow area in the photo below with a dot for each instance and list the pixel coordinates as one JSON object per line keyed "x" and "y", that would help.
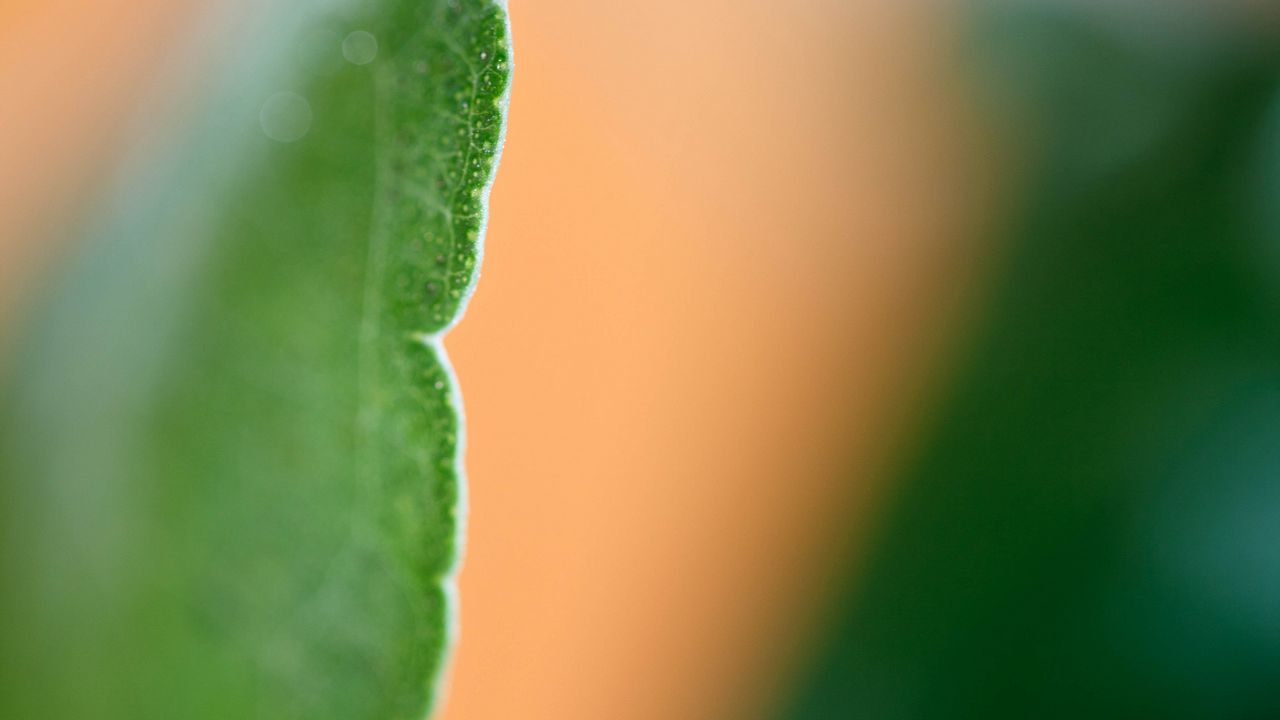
{"x": 1089, "y": 524}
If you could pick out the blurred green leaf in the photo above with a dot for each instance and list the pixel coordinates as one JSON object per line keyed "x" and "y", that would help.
{"x": 230, "y": 439}
{"x": 1089, "y": 526}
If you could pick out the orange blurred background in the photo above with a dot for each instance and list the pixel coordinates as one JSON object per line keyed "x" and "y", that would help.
{"x": 724, "y": 242}
{"x": 728, "y": 242}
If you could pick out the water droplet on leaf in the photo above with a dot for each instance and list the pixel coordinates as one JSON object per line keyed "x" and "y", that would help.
{"x": 285, "y": 117}
{"x": 360, "y": 48}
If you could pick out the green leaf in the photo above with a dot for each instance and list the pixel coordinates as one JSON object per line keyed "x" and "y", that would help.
{"x": 230, "y": 438}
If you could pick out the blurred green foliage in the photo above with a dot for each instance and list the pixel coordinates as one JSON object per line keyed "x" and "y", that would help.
{"x": 1089, "y": 524}
{"x": 229, "y": 441}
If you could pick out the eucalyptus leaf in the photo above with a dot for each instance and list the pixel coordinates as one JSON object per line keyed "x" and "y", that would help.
{"x": 230, "y": 439}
